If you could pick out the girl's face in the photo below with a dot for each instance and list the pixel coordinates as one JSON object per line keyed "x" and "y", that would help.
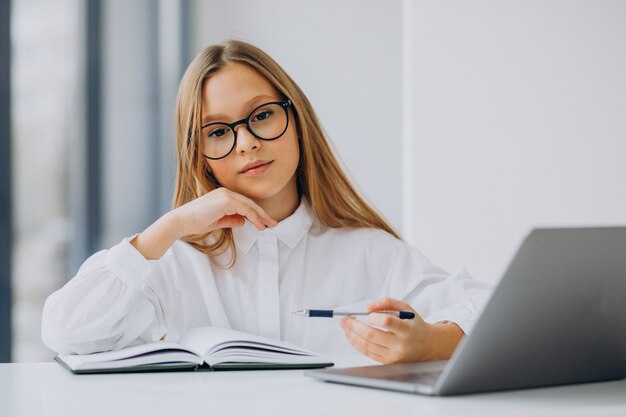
{"x": 230, "y": 95}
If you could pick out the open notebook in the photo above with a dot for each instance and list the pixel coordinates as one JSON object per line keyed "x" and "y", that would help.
{"x": 202, "y": 348}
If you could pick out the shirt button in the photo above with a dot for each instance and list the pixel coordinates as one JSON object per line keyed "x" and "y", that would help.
{"x": 268, "y": 235}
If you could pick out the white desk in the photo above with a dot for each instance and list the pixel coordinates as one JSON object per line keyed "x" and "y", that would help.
{"x": 46, "y": 389}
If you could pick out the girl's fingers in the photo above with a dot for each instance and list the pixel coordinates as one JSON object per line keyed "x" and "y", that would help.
{"x": 373, "y": 337}
{"x": 237, "y": 207}
{"x": 222, "y": 208}
{"x": 388, "y": 322}
{"x": 252, "y": 215}
{"x": 363, "y": 345}
{"x": 234, "y": 220}
{"x": 262, "y": 218}
{"x": 363, "y": 350}
{"x": 388, "y": 303}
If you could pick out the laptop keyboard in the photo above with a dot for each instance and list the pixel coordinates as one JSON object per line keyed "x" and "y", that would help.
{"x": 423, "y": 378}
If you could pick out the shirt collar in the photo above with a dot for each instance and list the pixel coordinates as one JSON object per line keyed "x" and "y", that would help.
{"x": 290, "y": 230}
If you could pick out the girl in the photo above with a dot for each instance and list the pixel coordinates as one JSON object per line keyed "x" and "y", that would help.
{"x": 264, "y": 223}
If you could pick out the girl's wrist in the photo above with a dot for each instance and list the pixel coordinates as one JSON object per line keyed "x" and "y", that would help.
{"x": 174, "y": 224}
{"x": 153, "y": 242}
{"x": 444, "y": 338}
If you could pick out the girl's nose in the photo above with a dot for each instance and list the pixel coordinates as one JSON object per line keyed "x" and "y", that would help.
{"x": 246, "y": 141}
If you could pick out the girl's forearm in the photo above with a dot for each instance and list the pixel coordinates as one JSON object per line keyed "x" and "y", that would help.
{"x": 153, "y": 242}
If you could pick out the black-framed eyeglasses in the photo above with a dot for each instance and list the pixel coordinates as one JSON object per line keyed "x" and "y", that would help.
{"x": 268, "y": 121}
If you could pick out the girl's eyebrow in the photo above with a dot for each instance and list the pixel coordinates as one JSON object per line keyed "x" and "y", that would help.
{"x": 247, "y": 105}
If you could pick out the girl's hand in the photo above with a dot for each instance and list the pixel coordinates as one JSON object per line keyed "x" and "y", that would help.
{"x": 404, "y": 340}
{"x": 219, "y": 209}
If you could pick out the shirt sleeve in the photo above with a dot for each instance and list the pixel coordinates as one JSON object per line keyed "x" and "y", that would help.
{"x": 108, "y": 305}
{"x": 434, "y": 293}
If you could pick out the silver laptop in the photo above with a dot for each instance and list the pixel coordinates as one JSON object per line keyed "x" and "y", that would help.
{"x": 558, "y": 316}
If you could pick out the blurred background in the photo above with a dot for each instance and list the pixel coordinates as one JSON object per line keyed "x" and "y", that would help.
{"x": 466, "y": 123}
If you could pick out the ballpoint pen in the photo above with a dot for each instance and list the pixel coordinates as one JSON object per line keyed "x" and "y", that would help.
{"x": 333, "y": 313}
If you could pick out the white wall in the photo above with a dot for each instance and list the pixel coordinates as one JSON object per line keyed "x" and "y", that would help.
{"x": 347, "y": 57}
{"x": 516, "y": 112}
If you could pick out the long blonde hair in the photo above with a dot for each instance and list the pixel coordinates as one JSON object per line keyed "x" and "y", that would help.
{"x": 320, "y": 179}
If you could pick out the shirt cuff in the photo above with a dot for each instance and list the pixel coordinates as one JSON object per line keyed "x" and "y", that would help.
{"x": 462, "y": 315}
{"x": 127, "y": 263}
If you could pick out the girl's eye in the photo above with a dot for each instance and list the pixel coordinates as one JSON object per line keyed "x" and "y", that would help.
{"x": 217, "y": 133}
{"x": 263, "y": 115}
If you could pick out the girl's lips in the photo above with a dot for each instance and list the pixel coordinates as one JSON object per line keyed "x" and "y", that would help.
{"x": 258, "y": 170}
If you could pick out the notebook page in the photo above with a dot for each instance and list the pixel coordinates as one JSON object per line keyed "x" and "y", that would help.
{"x": 125, "y": 353}
{"x": 152, "y": 358}
{"x": 207, "y": 340}
{"x": 247, "y": 356}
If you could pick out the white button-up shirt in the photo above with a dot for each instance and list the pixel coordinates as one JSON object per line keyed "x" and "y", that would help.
{"x": 118, "y": 298}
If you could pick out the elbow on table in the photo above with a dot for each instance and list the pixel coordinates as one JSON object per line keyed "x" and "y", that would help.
{"x": 59, "y": 335}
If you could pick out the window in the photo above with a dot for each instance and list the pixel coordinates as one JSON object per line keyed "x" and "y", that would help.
{"x": 47, "y": 131}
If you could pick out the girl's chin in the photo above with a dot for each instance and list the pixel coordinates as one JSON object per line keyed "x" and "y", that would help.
{"x": 278, "y": 196}
{"x": 258, "y": 193}
{"x": 264, "y": 190}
